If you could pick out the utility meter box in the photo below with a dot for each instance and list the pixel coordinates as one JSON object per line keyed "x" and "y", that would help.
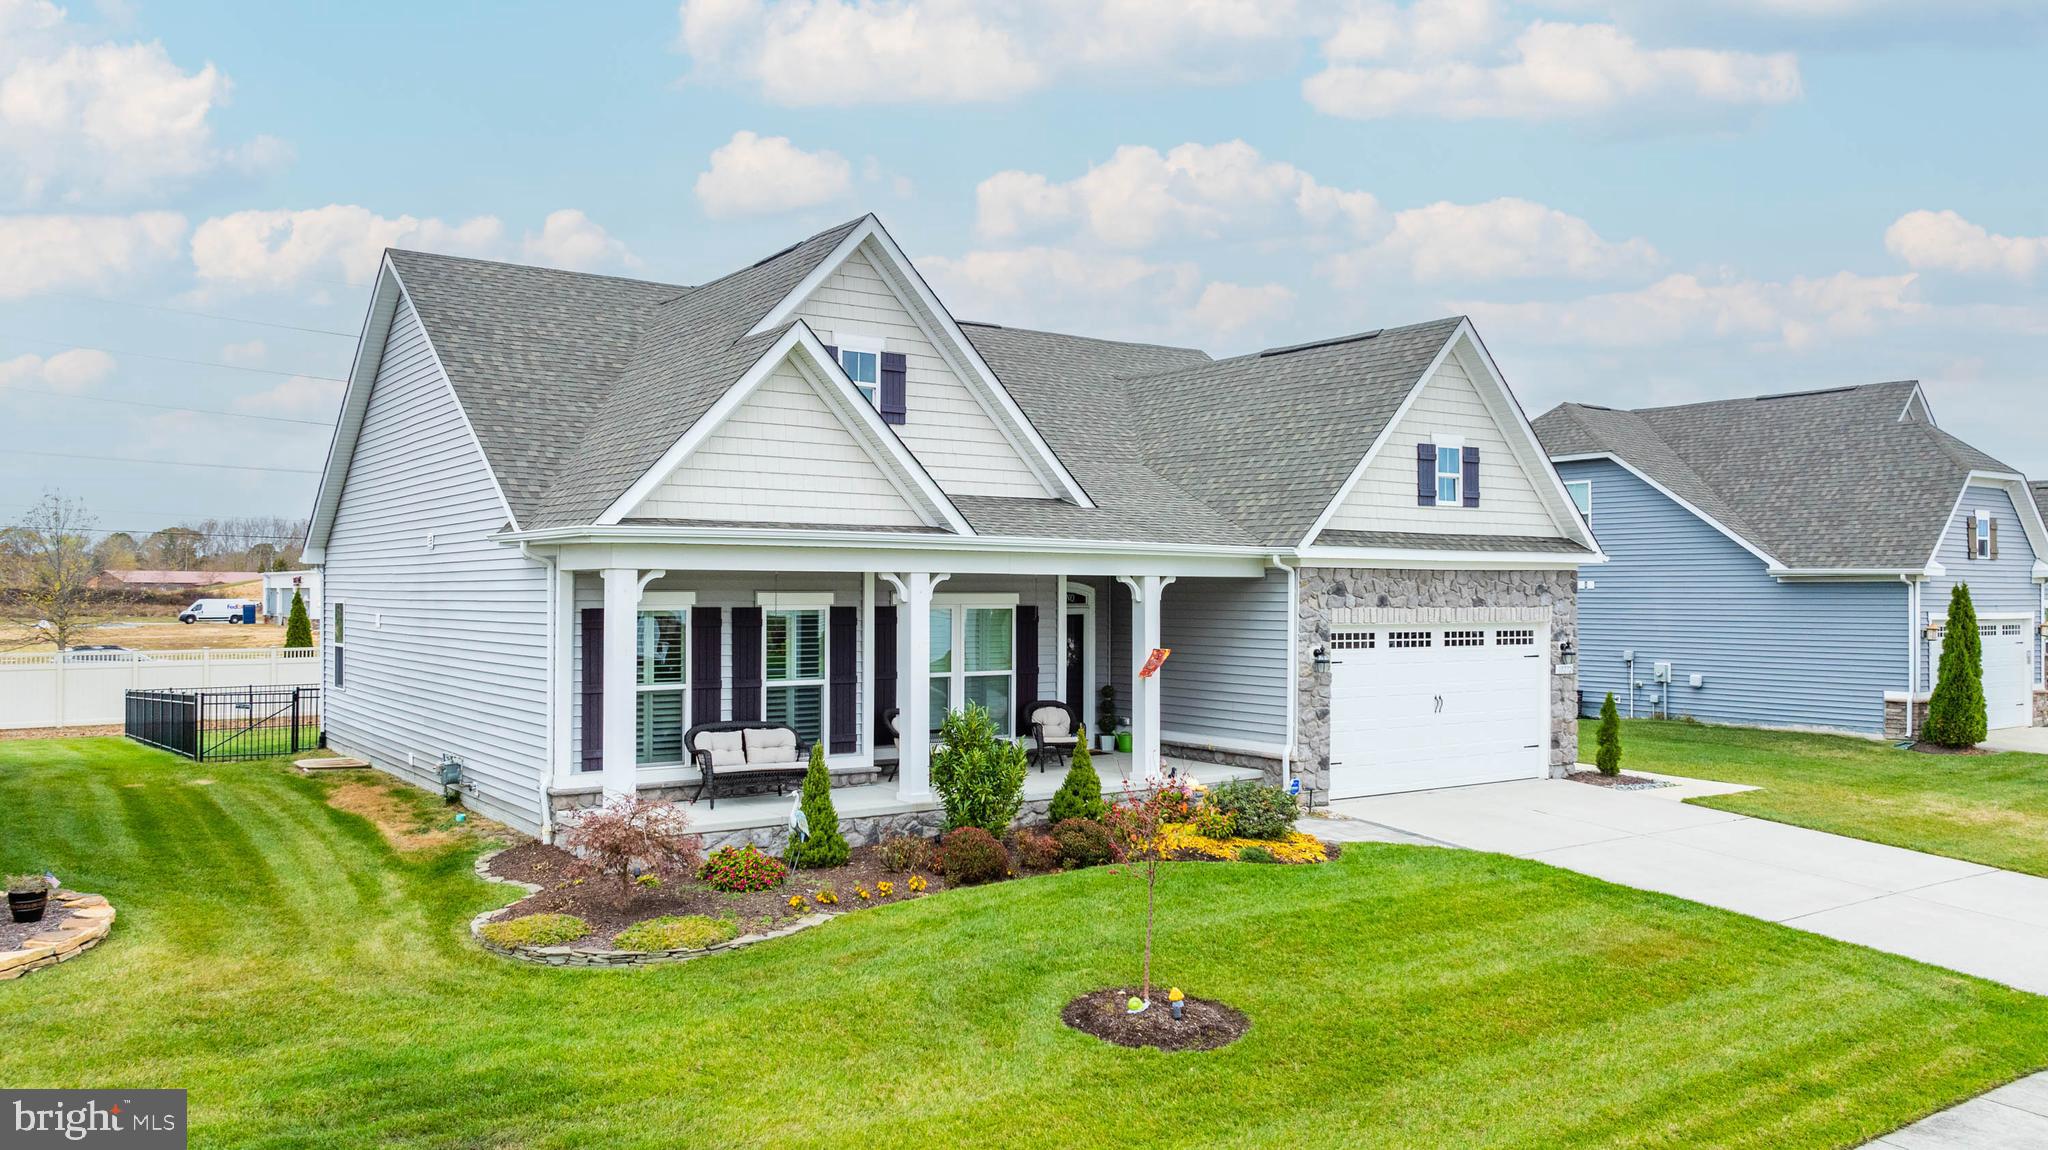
{"x": 1661, "y": 672}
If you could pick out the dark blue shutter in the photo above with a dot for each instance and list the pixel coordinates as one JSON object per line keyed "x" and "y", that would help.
{"x": 845, "y": 643}
{"x": 895, "y": 397}
{"x": 707, "y": 678}
{"x": 1471, "y": 477}
{"x": 885, "y": 670}
{"x": 746, "y": 664}
{"x": 593, "y": 688}
{"x": 1425, "y": 474}
{"x": 1026, "y": 676}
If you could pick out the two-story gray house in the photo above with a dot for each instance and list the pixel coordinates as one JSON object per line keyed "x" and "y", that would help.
{"x": 1787, "y": 560}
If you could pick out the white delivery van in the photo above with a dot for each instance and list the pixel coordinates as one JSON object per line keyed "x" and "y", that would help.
{"x": 217, "y": 611}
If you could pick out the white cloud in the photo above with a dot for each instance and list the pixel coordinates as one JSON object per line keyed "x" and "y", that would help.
{"x": 1945, "y": 241}
{"x": 298, "y": 398}
{"x": 82, "y": 118}
{"x": 56, "y": 253}
{"x": 1140, "y": 196}
{"x": 1227, "y": 308}
{"x": 1098, "y": 293}
{"x": 752, "y": 174}
{"x": 1501, "y": 239}
{"x": 569, "y": 239}
{"x": 71, "y": 372}
{"x": 1446, "y": 59}
{"x": 1796, "y": 314}
{"x": 809, "y": 52}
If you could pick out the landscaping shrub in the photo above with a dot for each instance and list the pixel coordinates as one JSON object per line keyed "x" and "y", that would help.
{"x": 1080, "y": 797}
{"x": 1608, "y": 757}
{"x": 1214, "y": 822}
{"x": 1084, "y": 842}
{"x": 979, "y": 776}
{"x": 1255, "y": 855}
{"x": 971, "y": 855}
{"x": 535, "y": 930}
{"x": 1256, "y": 811}
{"x": 630, "y": 831}
{"x": 905, "y": 853}
{"x": 822, "y": 845}
{"x": 1035, "y": 850}
{"x": 298, "y": 630}
{"x": 676, "y": 932}
{"x": 1174, "y": 800}
{"x": 1956, "y": 715}
{"x": 739, "y": 870}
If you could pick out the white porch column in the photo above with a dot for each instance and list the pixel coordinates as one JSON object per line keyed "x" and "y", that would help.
{"x": 562, "y": 697}
{"x": 622, "y": 586}
{"x": 913, "y": 685}
{"x": 1146, "y": 591}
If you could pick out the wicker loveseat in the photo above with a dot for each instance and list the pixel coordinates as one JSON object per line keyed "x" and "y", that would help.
{"x": 745, "y": 754}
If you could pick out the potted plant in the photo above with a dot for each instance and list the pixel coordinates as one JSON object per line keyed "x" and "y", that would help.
{"x": 27, "y": 895}
{"x": 1105, "y": 717}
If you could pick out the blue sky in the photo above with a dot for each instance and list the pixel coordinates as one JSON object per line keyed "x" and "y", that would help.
{"x": 1639, "y": 203}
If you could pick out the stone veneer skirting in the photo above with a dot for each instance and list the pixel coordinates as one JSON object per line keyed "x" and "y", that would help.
{"x": 88, "y": 918}
{"x": 1330, "y": 597}
{"x": 1895, "y": 714}
{"x": 575, "y": 955}
{"x": 2041, "y": 708}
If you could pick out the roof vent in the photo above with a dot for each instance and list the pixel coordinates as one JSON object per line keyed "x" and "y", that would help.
{"x": 1342, "y": 339}
{"x": 978, "y": 323}
{"x": 1806, "y": 394}
{"x": 778, "y": 255}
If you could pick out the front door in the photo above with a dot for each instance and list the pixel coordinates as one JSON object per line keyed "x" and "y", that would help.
{"x": 1077, "y": 650}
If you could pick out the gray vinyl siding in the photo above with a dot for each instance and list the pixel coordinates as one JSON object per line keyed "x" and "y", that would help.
{"x": 1773, "y": 654}
{"x": 2001, "y": 586}
{"x": 1227, "y": 678}
{"x": 446, "y": 641}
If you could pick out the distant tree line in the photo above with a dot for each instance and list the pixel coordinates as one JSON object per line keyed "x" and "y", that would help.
{"x": 256, "y": 543}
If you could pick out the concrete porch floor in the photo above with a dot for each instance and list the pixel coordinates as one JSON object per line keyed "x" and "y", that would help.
{"x": 740, "y": 812}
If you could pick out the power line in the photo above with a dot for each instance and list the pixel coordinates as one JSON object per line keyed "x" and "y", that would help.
{"x": 165, "y": 406}
{"x": 177, "y": 359}
{"x": 167, "y": 462}
{"x": 204, "y": 314}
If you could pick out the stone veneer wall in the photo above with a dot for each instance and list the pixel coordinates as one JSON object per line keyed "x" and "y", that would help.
{"x": 1195, "y": 753}
{"x": 1895, "y": 716}
{"x": 1328, "y": 594}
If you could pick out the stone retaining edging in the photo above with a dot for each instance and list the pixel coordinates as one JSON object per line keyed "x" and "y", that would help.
{"x": 574, "y": 955}
{"x": 89, "y": 917}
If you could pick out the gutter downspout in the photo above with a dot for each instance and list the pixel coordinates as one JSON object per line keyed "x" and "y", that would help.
{"x": 547, "y": 774}
{"x": 1293, "y": 671}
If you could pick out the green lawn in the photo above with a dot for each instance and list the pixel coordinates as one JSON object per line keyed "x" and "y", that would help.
{"x": 311, "y": 989}
{"x": 1991, "y": 809}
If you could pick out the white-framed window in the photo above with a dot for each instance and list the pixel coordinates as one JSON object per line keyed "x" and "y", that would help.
{"x": 1411, "y": 639}
{"x": 974, "y": 657}
{"x": 793, "y": 663}
{"x": 1982, "y": 543}
{"x": 1464, "y": 638}
{"x": 861, "y": 358}
{"x": 661, "y": 679}
{"x": 1354, "y": 640}
{"x": 1519, "y": 637}
{"x": 1450, "y": 472}
{"x": 1581, "y": 491}
{"x": 337, "y": 640}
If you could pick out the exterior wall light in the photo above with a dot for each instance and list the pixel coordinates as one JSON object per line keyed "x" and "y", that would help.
{"x": 1933, "y": 632}
{"x": 1567, "y": 657}
{"x": 1322, "y": 659}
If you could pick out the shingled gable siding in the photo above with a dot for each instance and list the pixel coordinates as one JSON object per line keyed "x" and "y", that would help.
{"x": 2001, "y": 586}
{"x": 447, "y": 631}
{"x": 1385, "y": 497}
{"x": 1773, "y": 654}
{"x": 1228, "y": 678}
{"x": 944, "y": 426}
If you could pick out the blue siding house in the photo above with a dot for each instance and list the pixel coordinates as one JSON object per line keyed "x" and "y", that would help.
{"x": 1787, "y": 560}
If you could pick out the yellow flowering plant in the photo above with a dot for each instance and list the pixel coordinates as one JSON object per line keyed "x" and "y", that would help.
{"x": 885, "y": 888}
{"x": 917, "y": 884}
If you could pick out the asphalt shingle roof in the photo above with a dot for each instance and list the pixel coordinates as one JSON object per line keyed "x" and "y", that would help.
{"x": 1818, "y": 480}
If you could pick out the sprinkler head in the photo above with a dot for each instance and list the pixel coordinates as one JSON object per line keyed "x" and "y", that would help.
{"x": 1176, "y": 1005}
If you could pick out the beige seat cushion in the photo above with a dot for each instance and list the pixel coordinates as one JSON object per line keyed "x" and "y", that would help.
{"x": 770, "y": 745}
{"x": 1062, "y": 741}
{"x": 724, "y": 747}
{"x": 1053, "y": 720}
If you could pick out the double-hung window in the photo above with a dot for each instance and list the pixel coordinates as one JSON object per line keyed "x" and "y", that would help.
{"x": 337, "y": 641}
{"x": 1450, "y": 472}
{"x": 793, "y": 663}
{"x": 1982, "y": 543}
{"x": 1581, "y": 491}
{"x": 661, "y": 680}
{"x": 862, "y": 360}
{"x": 974, "y": 658}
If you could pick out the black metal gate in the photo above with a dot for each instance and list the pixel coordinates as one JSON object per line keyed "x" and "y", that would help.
{"x": 221, "y": 724}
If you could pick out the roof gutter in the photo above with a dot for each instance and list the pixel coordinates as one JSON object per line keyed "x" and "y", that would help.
{"x": 758, "y": 536}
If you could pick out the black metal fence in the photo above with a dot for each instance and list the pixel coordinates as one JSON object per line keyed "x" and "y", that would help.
{"x": 219, "y": 724}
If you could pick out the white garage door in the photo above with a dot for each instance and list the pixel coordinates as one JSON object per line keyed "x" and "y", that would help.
{"x": 2008, "y": 673}
{"x": 1423, "y": 707}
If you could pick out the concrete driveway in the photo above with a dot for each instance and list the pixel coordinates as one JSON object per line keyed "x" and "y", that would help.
{"x": 1967, "y": 917}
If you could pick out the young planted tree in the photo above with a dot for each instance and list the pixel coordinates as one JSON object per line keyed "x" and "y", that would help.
{"x": 1136, "y": 824}
{"x": 1956, "y": 715}
{"x": 1080, "y": 797}
{"x": 630, "y": 835}
{"x": 820, "y": 844}
{"x": 1608, "y": 758}
{"x": 298, "y": 629}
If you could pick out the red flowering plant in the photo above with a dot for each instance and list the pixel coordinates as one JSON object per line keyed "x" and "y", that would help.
{"x": 630, "y": 836}
{"x": 1136, "y": 823}
{"x": 743, "y": 869}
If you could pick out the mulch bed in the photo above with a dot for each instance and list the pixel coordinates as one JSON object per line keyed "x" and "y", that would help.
{"x": 1206, "y": 1024}
{"x": 1596, "y": 779}
{"x": 1938, "y": 749}
{"x": 595, "y": 899}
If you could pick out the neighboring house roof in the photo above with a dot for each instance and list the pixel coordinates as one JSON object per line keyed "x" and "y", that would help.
{"x": 1853, "y": 478}
{"x": 577, "y": 385}
{"x": 181, "y": 578}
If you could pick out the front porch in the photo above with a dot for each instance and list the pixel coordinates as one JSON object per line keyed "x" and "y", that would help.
{"x": 870, "y": 811}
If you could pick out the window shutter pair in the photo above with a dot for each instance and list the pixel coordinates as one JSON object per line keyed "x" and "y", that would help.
{"x": 894, "y": 399}
{"x": 1425, "y": 476}
{"x": 1970, "y": 538}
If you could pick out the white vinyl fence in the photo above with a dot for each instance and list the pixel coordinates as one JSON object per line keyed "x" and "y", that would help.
{"x": 86, "y": 688}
